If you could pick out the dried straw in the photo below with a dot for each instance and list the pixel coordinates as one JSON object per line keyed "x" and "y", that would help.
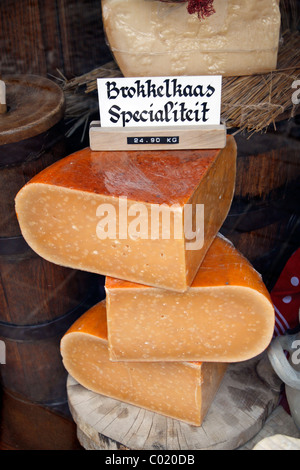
{"x": 81, "y": 99}
{"x": 251, "y": 103}
{"x": 255, "y": 102}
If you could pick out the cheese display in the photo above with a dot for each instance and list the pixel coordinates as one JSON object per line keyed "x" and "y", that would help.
{"x": 150, "y": 37}
{"x": 225, "y": 316}
{"x": 183, "y": 391}
{"x": 103, "y": 212}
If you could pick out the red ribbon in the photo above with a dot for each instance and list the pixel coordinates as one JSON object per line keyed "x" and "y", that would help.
{"x": 204, "y": 8}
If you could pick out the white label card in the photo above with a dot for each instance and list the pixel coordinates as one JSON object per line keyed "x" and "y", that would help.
{"x": 160, "y": 101}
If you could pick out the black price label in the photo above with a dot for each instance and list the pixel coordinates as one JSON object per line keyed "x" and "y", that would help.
{"x": 152, "y": 140}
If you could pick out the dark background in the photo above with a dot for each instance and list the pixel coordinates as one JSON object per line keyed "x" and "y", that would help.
{"x": 41, "y": 36}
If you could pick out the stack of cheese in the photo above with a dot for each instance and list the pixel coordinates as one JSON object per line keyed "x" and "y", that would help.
{"x": 174, "y": 316}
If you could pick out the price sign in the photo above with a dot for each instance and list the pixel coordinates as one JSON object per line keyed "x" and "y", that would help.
{"x": 159, "y": 113}
{"x": 160, "y": 101}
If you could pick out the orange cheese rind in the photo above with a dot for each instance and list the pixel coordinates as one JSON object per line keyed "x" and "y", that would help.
{"x": 65, "y": 211}
{"x": 183, "y": 391}
{"x": 226, "y": 315}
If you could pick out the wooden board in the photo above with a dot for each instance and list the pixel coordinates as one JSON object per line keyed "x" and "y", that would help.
{"x": 157, "y": 138}
{"x": 237, "y": 414}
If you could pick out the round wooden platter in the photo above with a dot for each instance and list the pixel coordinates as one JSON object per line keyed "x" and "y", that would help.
{"x": 238, "y": 413}
{"x": 34, "y": 105}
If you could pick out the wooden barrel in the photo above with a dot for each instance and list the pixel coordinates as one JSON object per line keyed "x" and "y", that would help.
{"x": 264, "y": 218}
{"x": 38, "y": 300}
{"x": 29, "y": 426}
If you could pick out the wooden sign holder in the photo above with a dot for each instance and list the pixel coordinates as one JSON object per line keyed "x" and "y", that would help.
{"x": 157, "y": 138}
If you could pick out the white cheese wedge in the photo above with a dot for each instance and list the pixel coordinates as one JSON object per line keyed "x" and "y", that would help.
{"x": 153, "y": 38}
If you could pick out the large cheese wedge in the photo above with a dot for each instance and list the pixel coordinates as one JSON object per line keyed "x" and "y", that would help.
{"x": 151, "y": 37}
{"x": 109, "y": 212}
{"x": 226, "y": 315}
{"x": 183, "y": 391}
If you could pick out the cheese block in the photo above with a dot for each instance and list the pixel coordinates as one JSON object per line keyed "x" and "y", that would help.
{"x": 154, "y": 38}
{"x": 183, "y": 391}
{"x": 130, "y": 215}
{"x": 226, "y": 315}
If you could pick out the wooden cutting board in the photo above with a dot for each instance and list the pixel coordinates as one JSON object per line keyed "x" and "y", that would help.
{"x": 238, "y": 413}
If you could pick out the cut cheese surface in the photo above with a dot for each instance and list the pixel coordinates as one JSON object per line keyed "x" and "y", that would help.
{"x": 183, "y": 391}
{"x": 225, "y": 316}
{"x": 109, "y": 212}
{"x": 154, "y": 38}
